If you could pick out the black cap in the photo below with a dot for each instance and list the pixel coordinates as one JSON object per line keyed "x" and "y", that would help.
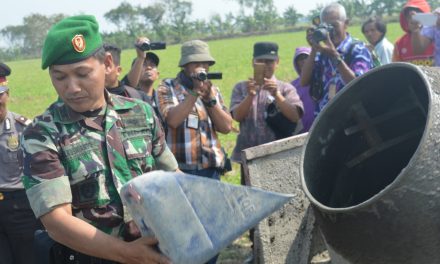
{"x": 4, "y": 71}
{"x": 149, "y": 56}
{"x": 266, "y": 50}
{"x": 153, "y": 57}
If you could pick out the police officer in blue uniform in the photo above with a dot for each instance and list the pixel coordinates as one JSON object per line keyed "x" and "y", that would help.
{"x": 17, "y": 221}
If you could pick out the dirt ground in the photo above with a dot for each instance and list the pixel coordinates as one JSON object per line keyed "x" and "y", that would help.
{"x": 237, "y": 252}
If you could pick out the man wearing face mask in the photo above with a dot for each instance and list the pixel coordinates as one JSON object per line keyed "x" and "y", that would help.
{"x": 336, "y": 59}
{"x": 17, "y": 221}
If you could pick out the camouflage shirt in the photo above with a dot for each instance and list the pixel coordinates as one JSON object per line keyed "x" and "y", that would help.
{"x": 71, "y": 158}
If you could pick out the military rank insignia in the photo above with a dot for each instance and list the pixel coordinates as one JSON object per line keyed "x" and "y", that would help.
{"x": 79, "y": 43}
{"x": 13, "y": 142}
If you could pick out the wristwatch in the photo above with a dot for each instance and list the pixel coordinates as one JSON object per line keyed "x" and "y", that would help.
{"x": 336, "y": 60}
{"x": 212, "y": 102}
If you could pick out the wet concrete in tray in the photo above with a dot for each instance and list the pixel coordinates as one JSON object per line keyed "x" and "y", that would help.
{"x": 237, "y": 252}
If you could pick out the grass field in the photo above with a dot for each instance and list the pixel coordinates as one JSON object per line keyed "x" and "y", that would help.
{"x": 31, "y": 89}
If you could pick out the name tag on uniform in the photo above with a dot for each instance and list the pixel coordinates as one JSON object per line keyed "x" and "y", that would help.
{"x": 192, "y": 121}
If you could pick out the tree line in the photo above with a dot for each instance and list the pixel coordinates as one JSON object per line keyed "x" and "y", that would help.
{"x": 171, "y": 21}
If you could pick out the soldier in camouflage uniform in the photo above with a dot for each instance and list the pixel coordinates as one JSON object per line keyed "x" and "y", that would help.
{"x": 17, "y": 222}
{"x": 79, "y": 153}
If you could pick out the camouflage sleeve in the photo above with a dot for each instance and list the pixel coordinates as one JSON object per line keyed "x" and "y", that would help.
{"x": 43, "y": 174}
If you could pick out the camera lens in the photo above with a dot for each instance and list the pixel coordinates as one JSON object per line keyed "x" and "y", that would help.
{"x": 319, "y": 34}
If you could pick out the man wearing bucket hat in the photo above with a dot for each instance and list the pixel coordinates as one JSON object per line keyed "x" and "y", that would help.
{"x": 17, "y": 222}
{"x": 194, "y": 112}
{"x": 84, "y": 147}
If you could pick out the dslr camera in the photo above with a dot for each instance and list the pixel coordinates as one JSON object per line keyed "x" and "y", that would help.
{"x": 203, "y": 75}
{"x": 320, "y": 32}
{"x": 147, "y": 45}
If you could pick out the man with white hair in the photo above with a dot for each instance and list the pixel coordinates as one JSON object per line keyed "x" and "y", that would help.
{"x": 336, "y": 58}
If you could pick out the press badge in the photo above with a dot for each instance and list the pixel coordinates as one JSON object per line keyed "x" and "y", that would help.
{"x": 192, "y": 121}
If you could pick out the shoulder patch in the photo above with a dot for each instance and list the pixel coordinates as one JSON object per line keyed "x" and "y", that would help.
{"x": 23, "y": 120}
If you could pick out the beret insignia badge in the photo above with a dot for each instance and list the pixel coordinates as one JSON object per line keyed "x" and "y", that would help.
{"x": 79, "y": 43}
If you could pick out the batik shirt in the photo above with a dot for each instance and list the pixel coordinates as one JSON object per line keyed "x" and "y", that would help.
{"x": 71, "y": 158}
{"x": 196, "y": 146}
{"x": 361, "y": 62}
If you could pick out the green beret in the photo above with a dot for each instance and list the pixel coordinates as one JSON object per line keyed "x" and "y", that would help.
{"x": 71, "y": 40}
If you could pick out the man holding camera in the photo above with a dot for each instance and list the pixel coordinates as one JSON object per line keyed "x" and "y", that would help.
{"x": 144, "y": 71}
{"x": 112, "y": 83}
{"x": 250, "y": 100}
{"x": 194, "y": 112}
{"x": 336, "y": 58}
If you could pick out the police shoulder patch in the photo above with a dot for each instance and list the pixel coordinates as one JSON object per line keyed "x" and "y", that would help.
{"x": 23, "y": 120}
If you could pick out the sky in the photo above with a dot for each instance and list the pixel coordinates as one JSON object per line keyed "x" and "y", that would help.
{"x": 14, "y": 11}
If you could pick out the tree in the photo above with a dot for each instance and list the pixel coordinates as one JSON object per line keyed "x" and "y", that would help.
{"x": 265, "y": 15}
{"x": 433, "y": 4}
{"x": 14, "y": 35}
{"x": 125, "y": 17}
{"x": 389, "y": 7}
{"x": 316, "y": 12}
{"x": 179, "y": 13}
{"x": 154, "y": 19}
{"x": 29, "y": 37}
{"x": 291, "y": 16}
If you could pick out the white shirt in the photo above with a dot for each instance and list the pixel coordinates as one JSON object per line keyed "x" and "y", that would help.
{"x": 384, "y": 51}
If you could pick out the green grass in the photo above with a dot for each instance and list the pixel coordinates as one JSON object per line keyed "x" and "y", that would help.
{"x": 31, "y": 89}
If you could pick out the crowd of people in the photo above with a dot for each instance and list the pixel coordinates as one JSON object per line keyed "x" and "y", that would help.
{"x": 63, "y": 172}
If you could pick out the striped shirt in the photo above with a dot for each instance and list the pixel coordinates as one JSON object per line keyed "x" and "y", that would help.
{"x": 194, "y": 148}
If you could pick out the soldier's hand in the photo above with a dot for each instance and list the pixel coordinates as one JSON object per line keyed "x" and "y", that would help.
{"x": 133, "y": 229}
{"x": 142, "y": 251}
